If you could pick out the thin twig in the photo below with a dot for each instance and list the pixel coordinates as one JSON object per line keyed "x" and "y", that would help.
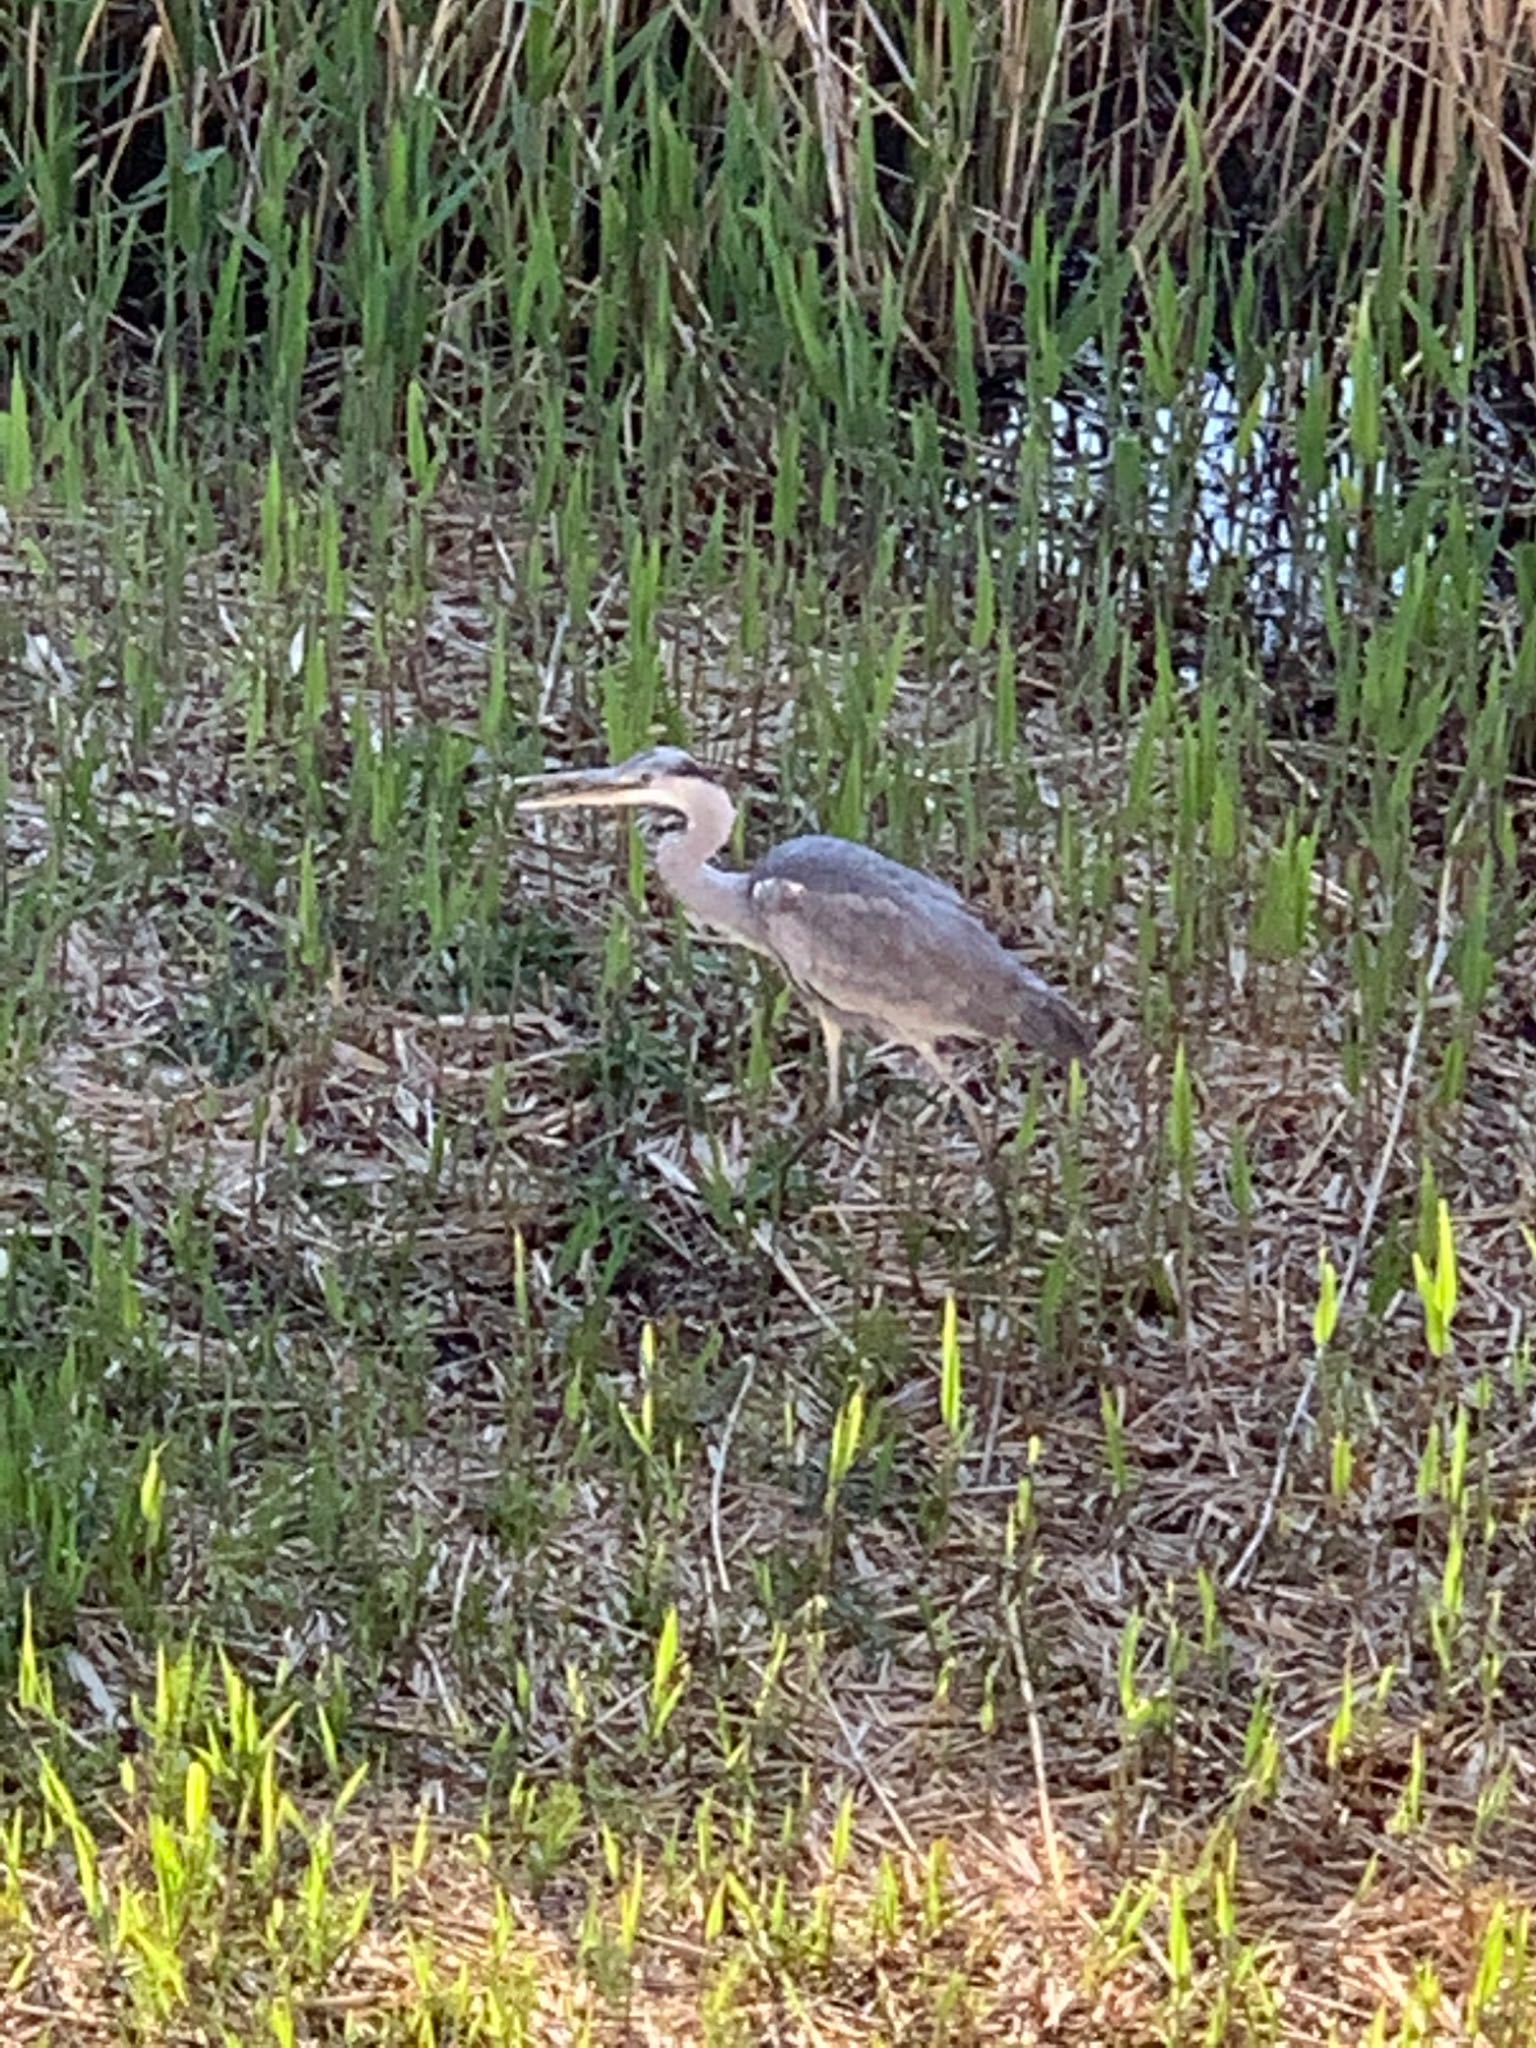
{"x": 994, "y": 1429}
{"x": 1036, "y": 1743}
{"x": 1437, "y": 962}
{"x": 717, "y": 1476}
{"x": 762, "y": 1237}
{"x": 892, "y": 1810}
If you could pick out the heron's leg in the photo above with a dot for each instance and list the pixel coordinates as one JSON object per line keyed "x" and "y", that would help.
{"x": 832, "y": 1038}
{"x": 817, "y": 1127}
{"x": 991, "y": 1160}
{"x": 945, "y": 1074}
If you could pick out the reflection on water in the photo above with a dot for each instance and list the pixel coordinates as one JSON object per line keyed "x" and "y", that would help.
{"x": 1213, "y": 490}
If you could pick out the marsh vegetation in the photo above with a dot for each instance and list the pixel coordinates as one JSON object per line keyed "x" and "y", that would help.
{"x": 500, "y": 1541}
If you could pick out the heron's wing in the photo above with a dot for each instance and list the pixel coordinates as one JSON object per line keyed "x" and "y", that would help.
{"x": 893, "y": 952}
{"x": 907, "y": 963}
{"x": 820, "y": 862}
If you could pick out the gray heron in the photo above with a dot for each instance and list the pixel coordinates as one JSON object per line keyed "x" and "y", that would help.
{"x": 871, "y": 947}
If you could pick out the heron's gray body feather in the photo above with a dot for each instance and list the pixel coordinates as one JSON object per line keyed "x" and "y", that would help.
{"x": 892, "y": 952}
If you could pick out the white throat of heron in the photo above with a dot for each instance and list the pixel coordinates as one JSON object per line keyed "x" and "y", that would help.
{"x": 682, "y": 858}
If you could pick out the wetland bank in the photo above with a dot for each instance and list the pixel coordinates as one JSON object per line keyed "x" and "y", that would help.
{"x": 501, "y": 1541}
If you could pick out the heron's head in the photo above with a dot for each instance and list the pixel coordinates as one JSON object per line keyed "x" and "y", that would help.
{"x": 660, "y": 778}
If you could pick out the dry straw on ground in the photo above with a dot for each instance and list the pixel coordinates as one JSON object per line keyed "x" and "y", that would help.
{"x": 367, "y": 1131}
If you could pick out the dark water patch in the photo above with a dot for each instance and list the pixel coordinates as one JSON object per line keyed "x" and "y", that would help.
{"x": 1270, "y": 508}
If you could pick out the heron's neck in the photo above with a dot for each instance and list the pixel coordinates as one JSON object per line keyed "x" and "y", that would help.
{"x": 682, "y": 859}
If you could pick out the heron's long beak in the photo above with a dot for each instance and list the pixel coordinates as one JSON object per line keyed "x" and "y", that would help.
{"x": 570, "y": 787}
